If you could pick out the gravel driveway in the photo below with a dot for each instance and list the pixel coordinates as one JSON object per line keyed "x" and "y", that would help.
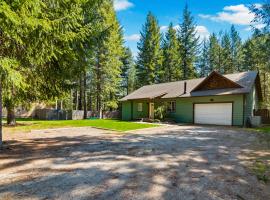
{"x": 169, "y": 162}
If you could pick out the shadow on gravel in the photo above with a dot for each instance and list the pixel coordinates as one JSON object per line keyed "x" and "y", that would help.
{"x": 198, "y": 163}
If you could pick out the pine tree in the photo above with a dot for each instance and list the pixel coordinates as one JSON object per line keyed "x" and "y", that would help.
{"x": 126, "y": 68}
{"x": 149, "y": 60}
{"x": 188, "y": 44}
{"x": 204, "y": 68}
{"x": 262, "y": 14}
{"x": 36, "y": 50}
{"x": 236, "y": 49}
{"x": 227, "y": 66}
{"x": 171, "y": 56}
{"x": 214, "y": 49}
{"x": 256, "y": 57}
{"x": 107, "y": 55}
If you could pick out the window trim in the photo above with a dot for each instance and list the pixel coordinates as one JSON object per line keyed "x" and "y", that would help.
{"x": 170, "y": 107}
{"x": 140, "y": 107}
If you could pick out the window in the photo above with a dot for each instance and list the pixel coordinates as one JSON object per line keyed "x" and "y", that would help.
{"x": 140, "y": 107}
{"x": 171, "y": 106}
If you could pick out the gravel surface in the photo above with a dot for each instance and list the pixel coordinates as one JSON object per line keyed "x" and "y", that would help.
{"x": 168, "y": 162}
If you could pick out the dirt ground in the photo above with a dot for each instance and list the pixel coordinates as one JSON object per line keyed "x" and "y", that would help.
{"x": 170, "y": 162}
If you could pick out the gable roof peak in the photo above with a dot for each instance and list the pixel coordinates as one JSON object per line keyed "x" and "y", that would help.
{"x": 221, "y": 82}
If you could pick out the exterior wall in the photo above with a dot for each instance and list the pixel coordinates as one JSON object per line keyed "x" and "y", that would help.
{"x": 128, "y": 114}
{"x": 251, "y": 102}
{"x": 140, "y": 114}
{"x": 184, "y": 107}
{"x": 126, "y": 110}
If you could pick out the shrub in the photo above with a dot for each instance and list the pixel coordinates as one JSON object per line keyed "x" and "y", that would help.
{"x": 160, "y": 112}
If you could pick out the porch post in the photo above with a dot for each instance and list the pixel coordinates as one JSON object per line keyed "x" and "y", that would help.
{"x": 149, "y": 109}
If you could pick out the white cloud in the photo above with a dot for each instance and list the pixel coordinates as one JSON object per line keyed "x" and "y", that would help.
{"x": 202, "y": 32}
{"x": 235, "y": 14}
{"x": 133, "y": 37}
{"x": 165, "y": 28}
{"x": 122, "y": 5}
{"x": 237, "y": 8}
{"x": 257, "y": 26}
{"x": 176, "y": 27}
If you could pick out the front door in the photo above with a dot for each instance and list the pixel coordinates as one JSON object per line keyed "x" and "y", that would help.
{"x": 151, "y": 110}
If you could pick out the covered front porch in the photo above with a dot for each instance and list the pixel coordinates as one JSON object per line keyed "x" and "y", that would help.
{"x": 148, "y": 109}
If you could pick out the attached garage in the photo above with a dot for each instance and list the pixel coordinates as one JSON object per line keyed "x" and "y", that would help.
{"x": 213, "y": 113}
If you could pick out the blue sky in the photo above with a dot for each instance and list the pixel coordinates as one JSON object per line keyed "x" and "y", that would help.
{"x": 210, "y": 16}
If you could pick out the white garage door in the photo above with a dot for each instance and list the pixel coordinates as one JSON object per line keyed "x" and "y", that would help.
{"x": 214, "y": 113}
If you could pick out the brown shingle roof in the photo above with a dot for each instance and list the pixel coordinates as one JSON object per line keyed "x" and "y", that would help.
{"x": 176, "y": 89}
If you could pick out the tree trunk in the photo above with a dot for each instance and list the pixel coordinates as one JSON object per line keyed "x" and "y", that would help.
{"x": 84, "y": 96}
{"x": 98, "y": 102}
{"x": 264, "y": 85}
{"x": 11, "y": 115}
{"x": 90, "y": 102}
{"x": 127, "y": 85}
{"x": 56, "y": 104}
{"x": 1, "y": 106}
{"x": 77, "y": 100}
{"x": 81, "y": 94}
{"x": 71, "y": 99}
{"x": 98, "y": 87}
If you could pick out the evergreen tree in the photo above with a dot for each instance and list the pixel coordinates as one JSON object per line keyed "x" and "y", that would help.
{"x": 236, "y": 49}
{"x": 171, "y": 56}
{"x": 126, "y": 68}
{"x": 214, "y": 51}
{"x": 204, "y": 67}
{"x": 149, "y": 60}
{"x": 36, "y": 38}
{"x": 256, "y": 57}
{"x": 227, "y": 66}
{"x": 262, "y": 14}
{"x": 188, "y": 44}
{"x": 132, "y": 79}
{"x": 108, "y": 53}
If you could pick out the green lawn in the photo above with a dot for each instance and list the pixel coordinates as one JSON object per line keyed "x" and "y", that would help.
{"x": 26, "y": 125}
{"x": 264, "y": 129}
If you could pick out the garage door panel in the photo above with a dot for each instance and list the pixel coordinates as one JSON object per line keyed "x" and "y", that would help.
{"x": 213, "y": 113}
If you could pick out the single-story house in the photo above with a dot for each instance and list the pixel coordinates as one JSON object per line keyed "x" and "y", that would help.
{"x": 216, "y": 99}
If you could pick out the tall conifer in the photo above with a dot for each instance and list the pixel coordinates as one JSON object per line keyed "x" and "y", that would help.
{"x": 188, "y": 44}
{"x": 171, "y": 56}
{"x": 149, "y": 60}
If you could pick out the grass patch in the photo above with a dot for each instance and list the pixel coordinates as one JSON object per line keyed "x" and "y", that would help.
{"x": 263, "y": 129}
{"x": 262, "y": 170}
{"x": 26, "y": 125}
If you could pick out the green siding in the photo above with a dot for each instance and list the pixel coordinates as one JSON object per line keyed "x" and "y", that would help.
{"x": 126, "y": 110}
{"x": 140, "y": 114}
{"x": 184, "y": 108}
